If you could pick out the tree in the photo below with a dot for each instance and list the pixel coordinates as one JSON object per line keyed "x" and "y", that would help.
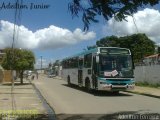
{"x": 19, "y": 60}
{"x": 109, "y": 41}
{"x": 139, "y": 44}
{"x": 91, "y": 47}
{"x": 106, "y": 8}
{"x": 49, "y": 65}
{"x": 56, "y": 63}
{"x": 158, "y": 50}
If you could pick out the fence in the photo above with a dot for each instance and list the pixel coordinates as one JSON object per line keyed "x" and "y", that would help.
{"x": 150, "y": 74}
{"x": 6, "y": 76}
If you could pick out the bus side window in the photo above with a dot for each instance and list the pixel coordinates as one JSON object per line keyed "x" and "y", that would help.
{"x": 75, "y": 62}
{"x": 88, "y": 60}
{"x": 80, "y": 62}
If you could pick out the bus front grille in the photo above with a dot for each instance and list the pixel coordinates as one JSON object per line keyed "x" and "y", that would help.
{"x": 118, "y": 83}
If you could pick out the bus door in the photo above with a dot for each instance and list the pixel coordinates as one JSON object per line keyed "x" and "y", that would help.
{"x": 80, "y": 81}
{"x": 94, "y": 72}
{"x": 80, "y": 71}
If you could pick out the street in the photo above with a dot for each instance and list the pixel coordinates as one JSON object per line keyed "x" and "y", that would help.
{"x": 74, "y": 100}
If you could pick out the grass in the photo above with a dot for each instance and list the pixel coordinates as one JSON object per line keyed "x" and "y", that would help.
{"x": 23, "y": 117}
{"x": 147, "y": 84}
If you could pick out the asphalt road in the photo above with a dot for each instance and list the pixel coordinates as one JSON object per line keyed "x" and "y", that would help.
{"x": 75, "y": 103}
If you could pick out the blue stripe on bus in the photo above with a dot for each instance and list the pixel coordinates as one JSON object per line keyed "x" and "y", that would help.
{"x": 109, "y": 81}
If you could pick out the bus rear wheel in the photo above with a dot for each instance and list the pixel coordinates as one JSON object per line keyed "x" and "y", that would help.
{"x": 88, "y": 86}
{"x": 68, "y": 81}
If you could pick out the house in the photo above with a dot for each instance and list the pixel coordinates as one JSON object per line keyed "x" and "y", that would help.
{"x": 1, "y": 55}
{"x": 152, "y": 59}
{"x": 5, "y": 75}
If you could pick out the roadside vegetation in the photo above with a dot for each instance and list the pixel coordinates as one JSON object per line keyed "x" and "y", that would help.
{"x": 91, "y": 10}
{"x": 147, "y": 84}
{"x": 139, "y": 44}
{"x": 19, "y": 60}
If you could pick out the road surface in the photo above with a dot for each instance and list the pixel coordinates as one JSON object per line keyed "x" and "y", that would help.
{"x": 76, "y": 102}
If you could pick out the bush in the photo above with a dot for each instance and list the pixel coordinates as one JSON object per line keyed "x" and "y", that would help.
{"x": 147, "y": 84}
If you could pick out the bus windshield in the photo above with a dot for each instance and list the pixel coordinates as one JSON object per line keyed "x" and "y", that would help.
{"x": 121, "y": 63}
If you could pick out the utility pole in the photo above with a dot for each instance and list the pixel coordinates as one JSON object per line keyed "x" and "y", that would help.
{"x": 41, "y": 64}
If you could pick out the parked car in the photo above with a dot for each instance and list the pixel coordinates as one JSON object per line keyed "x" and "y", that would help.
{"x": 29, "y": 73}
{"x": 50, "y": 75}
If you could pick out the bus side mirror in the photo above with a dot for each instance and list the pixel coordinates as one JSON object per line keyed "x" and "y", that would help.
{"x": 97, "y": 59}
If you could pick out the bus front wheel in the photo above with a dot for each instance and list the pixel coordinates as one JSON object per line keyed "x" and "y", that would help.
{"x": 115, "y": 92}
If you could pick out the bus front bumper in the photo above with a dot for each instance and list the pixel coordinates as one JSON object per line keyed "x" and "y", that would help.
{"x": 110, "y": 87}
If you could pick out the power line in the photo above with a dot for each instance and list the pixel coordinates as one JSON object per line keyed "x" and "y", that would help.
{"x": 134, "y": 21}
{"x": 17, "y": 21}
{"x": 19, "y": 16}
{"x": 12, "y": 58}
{"x": 14, "y": 29}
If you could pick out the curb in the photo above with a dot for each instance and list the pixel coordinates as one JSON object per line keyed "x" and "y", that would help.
{"x": 49, "y": 109}
{"x": 145, "y": 94}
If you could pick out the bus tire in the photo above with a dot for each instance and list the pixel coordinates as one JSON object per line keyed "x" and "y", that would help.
{"x": 87, "y": 85}
{"x": 68, "y": 81}
{"x": 115, "y": 92}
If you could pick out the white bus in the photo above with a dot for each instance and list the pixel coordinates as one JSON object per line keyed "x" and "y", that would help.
{"x": 101, "y": 68}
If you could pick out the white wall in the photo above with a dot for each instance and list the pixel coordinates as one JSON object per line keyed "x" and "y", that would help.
{"x": 150, "y": 74}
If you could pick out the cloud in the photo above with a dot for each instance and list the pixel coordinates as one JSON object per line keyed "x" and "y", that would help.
{"x": 47, "y": 38}
{"x": 146, "y": 21}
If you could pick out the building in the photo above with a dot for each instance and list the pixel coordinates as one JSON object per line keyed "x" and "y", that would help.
{"x": 1, "y": 55}
{"x": 3, "y": 73}
{"x": 152, "y": 59}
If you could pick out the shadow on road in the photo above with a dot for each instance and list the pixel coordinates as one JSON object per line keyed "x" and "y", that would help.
{"x": 98, "y": 93}
{"x": 16, "y": 84}
{"x": 124, "y": 115}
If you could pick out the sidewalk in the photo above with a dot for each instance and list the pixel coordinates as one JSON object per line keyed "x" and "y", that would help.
{"x": 21, "y": 103}
{"x": 148, "y": 91}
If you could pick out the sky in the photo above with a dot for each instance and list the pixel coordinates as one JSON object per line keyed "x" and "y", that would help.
{"x": 52, "y": 33}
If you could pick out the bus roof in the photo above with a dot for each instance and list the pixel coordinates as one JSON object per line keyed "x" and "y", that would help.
{"x": 94, "y": 50}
